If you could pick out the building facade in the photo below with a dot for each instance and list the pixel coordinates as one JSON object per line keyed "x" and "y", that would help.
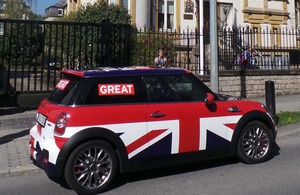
{"x": 175, "y": 14}
{"x": 56, "y": 11}
{"x": 162, "y": 14}
{"x": 267, "y": 20}
{"x": 258, "y": 13}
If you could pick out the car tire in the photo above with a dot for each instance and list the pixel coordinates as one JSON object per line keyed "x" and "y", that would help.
{"x": 91, "y": 167}
{"x": 255, "y": 143}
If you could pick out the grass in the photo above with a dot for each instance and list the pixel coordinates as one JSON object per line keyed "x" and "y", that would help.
{"x": 286, "y": 118}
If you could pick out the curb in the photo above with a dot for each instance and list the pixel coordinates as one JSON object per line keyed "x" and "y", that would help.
{"x": 15, "y": 171}
{"x": 288, "y": 130}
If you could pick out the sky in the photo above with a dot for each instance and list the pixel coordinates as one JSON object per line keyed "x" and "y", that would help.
{"x": 42, "y": 5}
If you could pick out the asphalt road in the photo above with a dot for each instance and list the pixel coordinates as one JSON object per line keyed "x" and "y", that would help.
{"x": 280, "y": 175}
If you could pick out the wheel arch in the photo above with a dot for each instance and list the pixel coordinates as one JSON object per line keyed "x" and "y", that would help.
{"x": 247, "y": 118}
{"x": 92, "y": 134}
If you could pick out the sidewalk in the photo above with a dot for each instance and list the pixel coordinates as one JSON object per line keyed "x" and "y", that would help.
{"x": 15, "y": 126}
{"x": 284, "y": 103}
{"x": 14, "y": 131}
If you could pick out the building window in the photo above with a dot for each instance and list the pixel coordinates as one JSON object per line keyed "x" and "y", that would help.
{"x": 278, "y": 61}
{"x": 166, "y": 14}
{"x": 112, "y": 2}
{"x": 255, "y": 33}
{"x": 267, "y": 62}
{"x": 125, "y": 4}
{"x": 1, "y": 28}
{"x": 223, "y": 12}
{"x": 60, "y": 12}
{"x": 275, "y": 34}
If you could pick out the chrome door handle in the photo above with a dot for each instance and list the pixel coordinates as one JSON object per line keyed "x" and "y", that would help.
{"x": 157, "y": 115}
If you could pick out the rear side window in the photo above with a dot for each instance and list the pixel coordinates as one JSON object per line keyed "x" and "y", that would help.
{"x": 114, "y": 90}
{"x": 64, "y": 90}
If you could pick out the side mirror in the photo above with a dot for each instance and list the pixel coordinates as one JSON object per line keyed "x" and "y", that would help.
{"x": 210, "y": 98}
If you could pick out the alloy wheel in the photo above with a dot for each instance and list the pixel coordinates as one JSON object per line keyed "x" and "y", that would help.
{"x": 92, "y": 167}
{"x": 255, "y": 142}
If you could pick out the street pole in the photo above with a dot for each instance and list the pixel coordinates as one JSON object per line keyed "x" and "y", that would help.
{"x": 270, "y": 97}
{"x": 214, "y": 61}
{"x": 201, "y": 45}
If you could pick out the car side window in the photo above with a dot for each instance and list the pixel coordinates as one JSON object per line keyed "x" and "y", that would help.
{"x": 114, "y": 90}
{"x": 173, "y": 88}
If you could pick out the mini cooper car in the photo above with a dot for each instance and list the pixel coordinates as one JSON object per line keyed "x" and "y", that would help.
{"x": 97, "y": 123}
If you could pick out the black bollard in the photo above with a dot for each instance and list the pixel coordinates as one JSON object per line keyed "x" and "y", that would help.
{"x": 270, "y": 97}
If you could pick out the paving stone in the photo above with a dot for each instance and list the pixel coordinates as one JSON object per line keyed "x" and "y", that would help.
{"x": 15, "y": 156}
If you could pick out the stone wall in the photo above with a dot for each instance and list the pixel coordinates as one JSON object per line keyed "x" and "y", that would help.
{"x": 254, "y": 85}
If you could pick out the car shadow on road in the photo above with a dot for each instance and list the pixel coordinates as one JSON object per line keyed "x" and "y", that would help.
{"x": 123, "y": 179}
{"x": 15, "y": 110}
{"x": 275, "y": 152}
{"x": 11, "y": 137}
{"x": 131, "y": 177}
{"x": 61, "y": 181}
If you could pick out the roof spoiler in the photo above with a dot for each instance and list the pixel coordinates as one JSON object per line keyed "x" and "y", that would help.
{"x": 72, "y": 72}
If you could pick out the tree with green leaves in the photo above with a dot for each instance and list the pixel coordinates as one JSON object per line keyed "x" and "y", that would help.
{"x": 147, "y": 45}
{"x": 22, "y": 43}
{"x": 101, "y": 36}
{"x": 16, "y": 9}
{"x": 99, "y": 12}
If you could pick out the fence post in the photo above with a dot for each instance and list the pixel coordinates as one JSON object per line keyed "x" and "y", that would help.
{"x": 188, "y": 51}
{"x": 105, "y": 41}
{"x": 270, "y": 97}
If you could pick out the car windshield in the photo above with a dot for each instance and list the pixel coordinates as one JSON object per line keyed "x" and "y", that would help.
{"x": 64, "y": 90}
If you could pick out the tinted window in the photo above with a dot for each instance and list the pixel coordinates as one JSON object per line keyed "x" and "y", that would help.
{"x": 64, "y": 90}
{"x": 112, "y": 90}
{"x": 171, "y": 88}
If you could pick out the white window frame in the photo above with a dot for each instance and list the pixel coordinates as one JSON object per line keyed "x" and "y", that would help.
{"x": 62, "y": 12}
{"x": 165, "y": 12}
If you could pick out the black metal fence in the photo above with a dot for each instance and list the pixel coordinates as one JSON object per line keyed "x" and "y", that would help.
{"x": 31, "y": 52}
{"x": 266, "y": 48}
{"x": 181, "y": 48}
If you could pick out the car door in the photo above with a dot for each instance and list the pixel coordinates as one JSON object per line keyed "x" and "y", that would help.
{"x": 119, "y": 104}
{"x": 177, "y": 116}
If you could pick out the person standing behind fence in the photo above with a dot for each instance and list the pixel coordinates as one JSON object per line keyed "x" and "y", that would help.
{"x": 161, "y": 60}
{"x": 250, "y": 59}
{"x": 247, "y": 58}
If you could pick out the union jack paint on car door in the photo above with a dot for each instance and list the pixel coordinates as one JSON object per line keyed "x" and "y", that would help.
{"x": 180, "y": 121}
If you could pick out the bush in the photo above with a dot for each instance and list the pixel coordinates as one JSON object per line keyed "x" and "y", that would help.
{"x": 22, "y": 44}
{"x": 105, "y": 33}
{"x": 146, "y": 47}
{"x": 99, "y": 12}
